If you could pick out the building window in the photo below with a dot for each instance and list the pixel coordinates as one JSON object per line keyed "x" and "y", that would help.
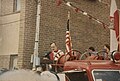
{"x": 16, "y": 5}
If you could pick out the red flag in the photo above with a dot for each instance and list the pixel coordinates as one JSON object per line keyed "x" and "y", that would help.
{"x": 58, "y": 2}
{"x": 68, "y": 37}
{"x": 114, "y": 16}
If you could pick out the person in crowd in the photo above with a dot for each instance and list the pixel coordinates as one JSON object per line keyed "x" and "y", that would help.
{"x": 91, "y": 51}
{"x": 28, "y": 75}
{"x": 20, "y": 75}
{"x": 55, "y": 53}
{"x": 88, "y": 52}
{"x": 106, "y": 53}
{"x": 92, "y": 55}
{"x": 49, "y": 76}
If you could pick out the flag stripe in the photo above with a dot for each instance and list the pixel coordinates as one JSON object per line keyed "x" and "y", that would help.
{"x": 68, "y": 42}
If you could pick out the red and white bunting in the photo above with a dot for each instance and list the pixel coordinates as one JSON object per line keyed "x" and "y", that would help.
{"x": 69, "y": 4}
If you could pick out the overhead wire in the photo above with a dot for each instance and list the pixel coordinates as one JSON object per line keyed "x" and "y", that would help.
{"x": 16, "y": 21}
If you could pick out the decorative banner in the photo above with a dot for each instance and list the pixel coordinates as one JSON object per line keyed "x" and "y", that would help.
{"x": 107, "y": 4}
{"x": 69, "y": 4}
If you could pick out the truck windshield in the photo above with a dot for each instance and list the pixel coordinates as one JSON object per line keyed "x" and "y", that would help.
{"x": 76, "y": 76}
{"x": 106, "y": 75}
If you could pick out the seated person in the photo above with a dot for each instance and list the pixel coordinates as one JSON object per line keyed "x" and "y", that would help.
{"x": 92, "y": 54}
{"x": 106, "y": 53}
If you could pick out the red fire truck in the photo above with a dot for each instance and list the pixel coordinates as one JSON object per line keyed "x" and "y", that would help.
{"x": 92, "y": 70}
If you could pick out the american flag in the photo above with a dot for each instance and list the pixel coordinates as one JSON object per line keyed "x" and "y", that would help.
{"x": 114, "y": 17}
{"x": 68, "y": 37}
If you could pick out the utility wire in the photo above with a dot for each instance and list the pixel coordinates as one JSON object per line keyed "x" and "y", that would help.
{"x": 15, "y": 21}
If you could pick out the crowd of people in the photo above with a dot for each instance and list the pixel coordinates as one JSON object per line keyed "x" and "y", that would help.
{"x": 90, "y": 54}
{"x": 28, "y": 75}
{"x": 46, "y": 74}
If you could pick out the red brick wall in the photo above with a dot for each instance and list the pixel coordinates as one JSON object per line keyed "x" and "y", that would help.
{"x": 27, "y": 33}
{"x": 84, "y": 31}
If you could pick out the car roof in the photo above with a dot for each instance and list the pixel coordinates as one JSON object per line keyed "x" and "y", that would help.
{"x": 91, "y": 64}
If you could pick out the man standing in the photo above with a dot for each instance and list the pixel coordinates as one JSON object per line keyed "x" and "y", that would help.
{"x": 55, "y": 53}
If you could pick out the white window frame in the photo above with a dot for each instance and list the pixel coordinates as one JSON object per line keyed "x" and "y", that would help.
{"x": 16, "y": 5}
{"x": 102, "y": 70}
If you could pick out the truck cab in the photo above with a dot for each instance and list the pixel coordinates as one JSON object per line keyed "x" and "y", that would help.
{"x": 93, "y": 70}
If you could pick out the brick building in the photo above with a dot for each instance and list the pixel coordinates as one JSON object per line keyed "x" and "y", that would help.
{"x": 18, "y": 22}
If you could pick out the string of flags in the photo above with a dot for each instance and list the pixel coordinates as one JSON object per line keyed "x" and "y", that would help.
{"x": 107, "y": 4}
{"x": 69, "y": 4}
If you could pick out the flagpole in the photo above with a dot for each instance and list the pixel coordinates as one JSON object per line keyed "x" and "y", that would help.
{"x": 68, "y": 37}
{"x": 119, "y": 33}
{"x": 68, "y": 20}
